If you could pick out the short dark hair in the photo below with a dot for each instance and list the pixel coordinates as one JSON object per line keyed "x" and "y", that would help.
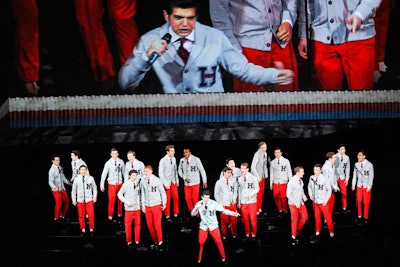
{"x": 206, "y": 192}
{"x": 226, "y": 168}
{"x": 132, "y": 171}
{"x": 82, "y": 166}
{"x": 171, "y": 4}
{"x": 76, "y": 153}
{"x": 318, "y": 165}
{"x": 227, "y": 160}
{"x": 168, "y": 147}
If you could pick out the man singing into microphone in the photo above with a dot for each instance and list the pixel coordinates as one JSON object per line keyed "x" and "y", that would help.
{"x": 194, "y": 60}
{"x": 207, "y": 208}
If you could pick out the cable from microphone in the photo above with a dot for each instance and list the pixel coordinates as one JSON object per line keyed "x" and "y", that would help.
{"x": 154, "y": 56}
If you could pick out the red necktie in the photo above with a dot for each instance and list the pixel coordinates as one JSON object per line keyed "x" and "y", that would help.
{"x": 187, "y": 161}
{"x": 226, "y": 181}
{"x": 205, "y": 206}
{"x": 264, "y": 156}
{"x": 278, "y": 161}
{"x": 361, "y": 165}
{"x": 341, "y": 158}
{"x": 134, "y": 186}
{"x": 132, "y": 165}
{"x": 74, "y": 163}
{"x": 170, "y": 160}
{"x": 148, "y": 181}
{"x": 245, "y": 178}
{"x": 182, "y": 52}
{"x": 115, "y": 163}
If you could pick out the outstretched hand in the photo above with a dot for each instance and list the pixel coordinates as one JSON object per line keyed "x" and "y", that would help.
{"x": 285, "y": 76}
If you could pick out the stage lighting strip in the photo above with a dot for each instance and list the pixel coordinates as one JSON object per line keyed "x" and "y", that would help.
{"x": 197, "y": 108}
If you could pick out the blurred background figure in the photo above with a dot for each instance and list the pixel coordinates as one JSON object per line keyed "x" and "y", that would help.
{"x": 90, "y": 17}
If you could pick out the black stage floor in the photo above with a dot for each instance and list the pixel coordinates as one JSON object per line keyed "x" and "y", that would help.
{"x": 353, "y": 245}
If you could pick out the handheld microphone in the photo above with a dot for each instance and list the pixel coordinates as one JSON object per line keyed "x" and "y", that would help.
{"x": 154, "y": 56}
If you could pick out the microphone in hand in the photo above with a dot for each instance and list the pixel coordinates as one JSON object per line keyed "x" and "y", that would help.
{"x": 154, "y": 56}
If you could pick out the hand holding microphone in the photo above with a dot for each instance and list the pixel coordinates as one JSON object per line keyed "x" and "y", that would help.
{"x": 158, "y": 47}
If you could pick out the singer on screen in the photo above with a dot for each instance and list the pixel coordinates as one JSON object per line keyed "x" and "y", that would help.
{"x": 189, "y": 57}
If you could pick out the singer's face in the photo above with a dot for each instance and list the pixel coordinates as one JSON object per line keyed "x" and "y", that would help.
{"x": 182, "y": 20}
{"x": 114, "y": 154}
{"x": 148, "y": 172}
{"x": 205, "y": 198}
{"x": 82, "y": 171}
{"x": 57, "y": 161}
{"x": 317, "y": 170}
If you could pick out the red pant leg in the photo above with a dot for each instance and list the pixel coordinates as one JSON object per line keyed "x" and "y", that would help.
{"x": 27, "y": 61}
{"x": 89, "y": 15}
{"x": 58, "y": 203}
{"x": 167, "y": 210}
{"x": 260, "y": 194}
{"x": 175, "y": 198}
{"x": 266, "y": 59}
{"x": 64, "y": 203}
{"x": 216, "y": 236}
{"x": 81, "y": 214}
{"x": 122, "y": 18}
{"x": 90, "y": 212}
{"x": 112, "y": 197}
{"x": 343, "y": 192}
{"x": 119, "y": 202}
{"x": 294, "y": 219}
{"x": 128, "y": 225}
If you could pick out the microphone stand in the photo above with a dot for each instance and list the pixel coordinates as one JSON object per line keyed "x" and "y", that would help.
{"x": 121, "y": 225}
{"x": 184, "y": 228}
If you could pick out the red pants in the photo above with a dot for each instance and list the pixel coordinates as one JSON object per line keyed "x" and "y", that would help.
{"x": 331, "y": 203}
{"x": 192, "y": 194}
{"x": 153, "y": 219}
{"x": 248, "y": 214}
{"x": 27, "y": 62}
{"x": 299, "y": 217}
{"x": 324, "y": 210}
{"x": 216, "y": 236}
{"x": 363, "y": 199}
{"x": 172, "y": 193}
{"x": 121, "y": 13}
{"x": 381, "y": 20}
{"x": 112, "y": 197}
{"x": 83, "y": 209}
{"x": 266, "y": 59}
{"x": 227, "y": 220}
{"x": 279, "y": 193}
{"x": 132, "y": 215}
{"x": 61, "y": 203}
{"x": 353, "y": 60}
{"x": 343, "y": 192}
{"x": 260, "y": 194}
